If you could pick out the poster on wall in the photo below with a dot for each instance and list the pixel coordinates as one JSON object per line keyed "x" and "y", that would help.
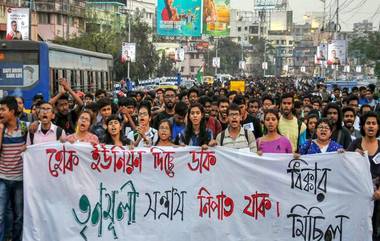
{"x": 216, "y": 17}
{"x": 179, "y": 18}
{"x": 321, "y": 55}
{"x": 17, "y": 24}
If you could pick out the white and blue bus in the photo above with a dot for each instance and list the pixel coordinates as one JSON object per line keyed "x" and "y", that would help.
{"x": 28, "y": 68}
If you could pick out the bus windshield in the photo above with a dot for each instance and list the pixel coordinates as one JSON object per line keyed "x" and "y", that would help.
{"x": 18, "y": 69}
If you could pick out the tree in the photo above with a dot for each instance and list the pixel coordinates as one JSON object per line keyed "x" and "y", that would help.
{"x": 366, "y": 50}
{"x": 260, "y": 47}
{"x": 110, "y": 42}
{"x": 166, "y": 66}
{"x": 230, "y": 54}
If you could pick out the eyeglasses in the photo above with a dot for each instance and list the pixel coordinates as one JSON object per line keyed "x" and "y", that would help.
{"x": 46, "y": 110}
{"x": 82, "y": 118}
{"x": 233, "y": 114}
{"x": 323, "y": 127}
{"x": 164, "y": 128}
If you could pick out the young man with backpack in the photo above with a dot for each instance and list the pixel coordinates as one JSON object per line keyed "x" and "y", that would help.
{"x": 46, "y": 131}
{"x": 13, "y": 133}
{"x": 234, "y": 136}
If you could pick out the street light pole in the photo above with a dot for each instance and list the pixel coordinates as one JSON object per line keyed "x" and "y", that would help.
{"x": 216, "y": 56}
{"x": 129, "y": 41}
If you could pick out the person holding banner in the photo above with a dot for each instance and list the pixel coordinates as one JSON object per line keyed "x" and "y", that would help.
{"x": 83, "y": 133}
{"x": 115, "y": 134}
{"x": 164, "y": 133}
{"x": 273, "y": 141}
{"x": 370, "y": 130}
{"x": 144, "y": 135}
{"x": 323, "y": 143}
{"x": 195, "y": 133}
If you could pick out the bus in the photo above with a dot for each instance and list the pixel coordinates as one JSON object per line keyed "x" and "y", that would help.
{"x": 28, "y": 68}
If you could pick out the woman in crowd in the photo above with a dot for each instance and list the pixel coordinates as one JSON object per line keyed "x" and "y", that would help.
{"x": 311, "y": 124}
{"x": 164, "y": 134}
{"x": 83, "y": 133}
{"x": 272, "y": 141}
{"x": 143, "y": 135}
{"x": 323, "y": 143}
{"x": 369, "y": 128}
{"x": 115, "y": 135}
{"x": 195, "y": 133}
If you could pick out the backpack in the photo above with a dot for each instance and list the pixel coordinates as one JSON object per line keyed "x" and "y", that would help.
{"x": 222, "y": 135}
{"x": 58, "y": 134}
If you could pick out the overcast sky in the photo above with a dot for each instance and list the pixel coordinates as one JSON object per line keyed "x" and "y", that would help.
{"x": 352, "y": 10}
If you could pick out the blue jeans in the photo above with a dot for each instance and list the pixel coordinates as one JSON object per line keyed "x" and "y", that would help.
{"x": 11, "y": 192}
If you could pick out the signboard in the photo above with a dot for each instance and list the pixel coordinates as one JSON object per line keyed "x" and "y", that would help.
{"x": 264, "y": 65}
{"x": 337, "y": 52}
{"x": 216, "y": 62}
{"x": 237, "y": 85}
{"x": 80, "y": 192}
{"x": 18, "y": 75}
{"x": 358, "y": 69}
{"x": 303, "y": 69}
{"x": 242, "y": 65}
{"x": 216, "y": 17}
{"x": 179, "y": 17}
{"x": 128, "y": 52}
{"x": 265, "y": 4}
{"x": 17, "y": 24}
{"x": 321, "y": 55}
{"x": 180, "y": 54}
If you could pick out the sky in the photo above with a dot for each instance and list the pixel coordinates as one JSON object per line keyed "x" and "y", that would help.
{"x": 352, "y": 11}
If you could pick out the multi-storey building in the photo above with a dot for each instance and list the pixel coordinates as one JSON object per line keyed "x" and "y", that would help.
{"x": 49, "y": 19}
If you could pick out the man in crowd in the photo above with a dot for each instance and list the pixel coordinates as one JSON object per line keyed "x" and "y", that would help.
{"x": 248, "y": 121}
{"x": 211, "y": 123}
{"x": 127, "y": 108}
{"x": 178, "y": 121}
{"x": 66, "y": 117}
{"x": 348, "y": 121}
{"x": 339, "y": 133}
{"x": 105, "y": 111}
{"x": 46, "y": 131}
{"x": 289, "y": 126}
{"x": 223, "y": 105}
{"x": 13, "y": 135}
{"x": 234, "y": 136}
{"x": 169, "y": 104}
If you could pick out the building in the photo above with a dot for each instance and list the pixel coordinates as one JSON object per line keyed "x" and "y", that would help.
{"x": 60, "y": 18}
{"x": 113, "y": 14}
{"x": 362, "y": 28}
{"x": 244, "y": 25}
{"x": 304, "y": 49}
{"x": 49, "y": 19}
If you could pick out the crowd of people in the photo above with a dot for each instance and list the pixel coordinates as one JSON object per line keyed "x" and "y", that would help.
{"x": 272, "y": 116}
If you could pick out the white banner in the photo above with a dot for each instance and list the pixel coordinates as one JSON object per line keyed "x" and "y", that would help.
{"x": 17, "y": 24}
{"x": 79, "y": 192}
{"x": 128, "y": 52}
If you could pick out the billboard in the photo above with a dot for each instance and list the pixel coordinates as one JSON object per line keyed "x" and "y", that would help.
{"x": 128, "y": 52}
{"x": 179, "y": 17}
{"x": 17, "y": 24}
{"x": 321, "y": 55}
{"x": 279, "y": 21}
{"x": 337, "y": 52}
{"x": 216, "y": 17}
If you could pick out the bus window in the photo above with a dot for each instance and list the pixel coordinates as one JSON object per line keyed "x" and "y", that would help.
{"x": 64, "y": 73}
{"x": 81, "y": 79}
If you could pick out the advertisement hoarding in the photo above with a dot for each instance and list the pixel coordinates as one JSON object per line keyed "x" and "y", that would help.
{"x": 216, "y": 17}
{"x": 128, "y": 52}
{"x": 17, "y": 24}
{"x": 337, "y": 52}
{"x": 179, "y": 18}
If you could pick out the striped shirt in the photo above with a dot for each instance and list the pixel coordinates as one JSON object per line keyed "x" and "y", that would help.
{"x": 240, "y": 142}
{"x": 11, "y": 165}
